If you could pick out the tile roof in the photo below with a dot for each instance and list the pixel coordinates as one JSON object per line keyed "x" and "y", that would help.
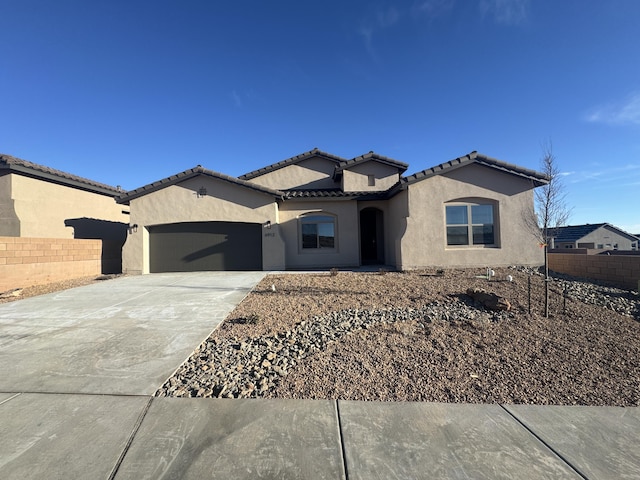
{"x": 292, "y": 161}
{"x": 475, "y": 157}
{"x": 190, "y": 173}
{"x": 368, "y": 157}
{"x": 18, "y": 165}
{"x": 334, "y": 193}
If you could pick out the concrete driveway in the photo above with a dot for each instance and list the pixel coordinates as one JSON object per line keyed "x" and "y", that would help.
{"x": 123, "y": 336}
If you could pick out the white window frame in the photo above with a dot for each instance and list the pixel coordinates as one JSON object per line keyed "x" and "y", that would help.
{"x": 317, "y": 218}
{"x": 469, "y": 204}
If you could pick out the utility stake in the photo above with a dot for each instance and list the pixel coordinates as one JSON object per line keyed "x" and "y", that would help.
{"x": 529, "y": 283}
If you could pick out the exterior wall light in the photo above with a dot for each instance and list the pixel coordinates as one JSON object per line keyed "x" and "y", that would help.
{"x": 133, "y": 228}
{"x": 202, "y": 192}
{"x": 267, "y": 224}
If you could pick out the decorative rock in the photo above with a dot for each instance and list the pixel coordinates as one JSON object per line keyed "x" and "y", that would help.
{"x": 250, "y": 367}
{"x": 489, "y": 300}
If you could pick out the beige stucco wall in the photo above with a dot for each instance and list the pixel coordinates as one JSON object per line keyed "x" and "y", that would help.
{"x": 224, "y": 202}
{"x": 356, "y": 178}
{"x": 311, "y": 173}
{"x": 424, "y": 244}
{"x": 395, "y": 225}
{"x": 9, "y": 222}
{"x": 42, "y": 207}
{"x": 347, "y": 251}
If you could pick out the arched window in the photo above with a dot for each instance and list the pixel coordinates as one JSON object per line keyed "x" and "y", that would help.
{"x": 471, "y": 223}
{"x": 318, "y": 231}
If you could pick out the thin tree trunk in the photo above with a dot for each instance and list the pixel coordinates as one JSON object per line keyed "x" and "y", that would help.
{"x": 546, "y": 281}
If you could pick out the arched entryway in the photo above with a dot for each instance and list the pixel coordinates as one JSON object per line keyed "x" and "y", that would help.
{"x": 371, "y": 236}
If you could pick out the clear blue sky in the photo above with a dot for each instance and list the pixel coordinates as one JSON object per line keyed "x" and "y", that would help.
{"x": 129, "y": 92}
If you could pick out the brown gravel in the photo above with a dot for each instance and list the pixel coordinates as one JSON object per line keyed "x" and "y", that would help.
{"x": 582, "y": 354}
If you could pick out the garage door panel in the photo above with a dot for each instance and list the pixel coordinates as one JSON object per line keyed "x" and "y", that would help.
{"x": 186, "y": 247}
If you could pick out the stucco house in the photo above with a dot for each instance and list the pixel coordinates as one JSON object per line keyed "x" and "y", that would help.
{"x": 40, "y": 202}
{"x": 601, "y": 236}
{"x": 319, "y": 210}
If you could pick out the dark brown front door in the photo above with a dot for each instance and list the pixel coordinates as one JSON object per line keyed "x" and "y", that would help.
{"x": 371, "y": 237}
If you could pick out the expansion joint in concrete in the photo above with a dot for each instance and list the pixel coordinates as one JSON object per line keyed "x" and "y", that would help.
{"x": 134, "y": 431}
{"x": 541, "y": 440}
{"x": 341, "y": 439}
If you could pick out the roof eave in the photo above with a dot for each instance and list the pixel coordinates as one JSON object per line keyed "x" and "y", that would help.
{"x": 61, "y": 180}
{"x": 538, "y": 179}
{"x": 191, "y": 173}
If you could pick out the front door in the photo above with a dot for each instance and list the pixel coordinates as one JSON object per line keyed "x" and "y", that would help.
{"x": 371, "y": 237}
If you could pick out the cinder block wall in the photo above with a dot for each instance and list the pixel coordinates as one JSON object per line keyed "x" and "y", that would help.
{"x": 620, "y": 270}
{"x": 34, "y": 261}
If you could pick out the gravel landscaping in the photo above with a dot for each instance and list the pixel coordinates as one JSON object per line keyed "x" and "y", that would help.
{"x": 417, "y": 336}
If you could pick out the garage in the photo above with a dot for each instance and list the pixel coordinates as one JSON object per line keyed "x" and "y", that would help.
{"x": 205, "y": 246}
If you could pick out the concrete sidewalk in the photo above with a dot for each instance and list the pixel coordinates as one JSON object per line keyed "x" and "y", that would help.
{"x": 79, "y": 369}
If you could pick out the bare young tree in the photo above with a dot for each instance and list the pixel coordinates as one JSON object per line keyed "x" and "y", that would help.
{"x": 552, "y": 210}
{"x": 551, "y": 199}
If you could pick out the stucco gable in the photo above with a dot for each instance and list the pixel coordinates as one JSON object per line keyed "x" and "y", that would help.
{"x": 10, "y": 164}
{"x": 474, "y": 158}
{"x": 191, "y": 173}
{"x": 295, "y": 160}
{"x": 370, "y": 157}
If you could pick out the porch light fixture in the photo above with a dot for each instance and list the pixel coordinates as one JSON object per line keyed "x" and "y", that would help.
{"x": 133, "y": 228}
{"x": 267, "y": 224}
{"x": 201, "y": 192}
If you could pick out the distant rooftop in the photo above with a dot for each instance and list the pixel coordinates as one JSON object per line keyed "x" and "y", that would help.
{"x": 573, "y": 233}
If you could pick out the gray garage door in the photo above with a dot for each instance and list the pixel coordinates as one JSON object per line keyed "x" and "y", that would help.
{"x": 205, "y": 246}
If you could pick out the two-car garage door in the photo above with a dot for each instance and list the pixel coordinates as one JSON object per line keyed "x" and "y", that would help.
{"x": 205, "y": 246}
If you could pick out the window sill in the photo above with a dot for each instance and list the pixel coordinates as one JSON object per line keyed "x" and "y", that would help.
{"x": 315, "y": 251}
{"x": 470, "y": 247}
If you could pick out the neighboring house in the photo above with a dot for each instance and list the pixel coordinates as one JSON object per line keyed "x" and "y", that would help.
{"x": 318, "y": 210}
{"x": 603, "y": 236}
{"x": 40, "y": 202}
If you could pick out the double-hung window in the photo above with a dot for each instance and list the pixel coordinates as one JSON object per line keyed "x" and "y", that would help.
{"x": 318, "y": 231}
{"x": 470, "y": 224}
